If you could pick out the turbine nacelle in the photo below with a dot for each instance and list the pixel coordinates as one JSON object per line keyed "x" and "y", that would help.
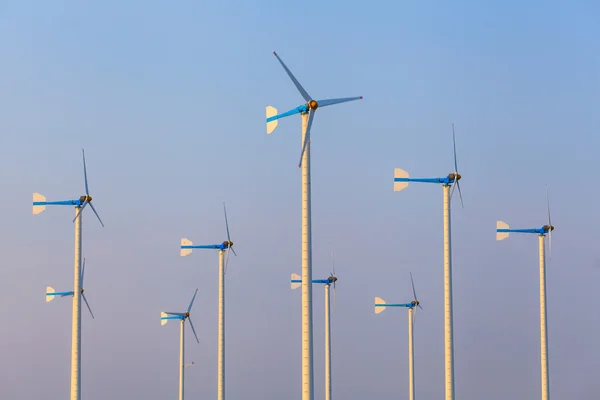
{"x": 452, "y": 177}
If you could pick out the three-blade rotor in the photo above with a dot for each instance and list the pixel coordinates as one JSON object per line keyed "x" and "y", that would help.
{"x": 415, "y": 301}
{"x": 229, "y": 242}
{"x": 165, "y": 316}
{"x": 87, "y": 199}
{"x": 309, "y": 107}
{"x": 456, "y": 182}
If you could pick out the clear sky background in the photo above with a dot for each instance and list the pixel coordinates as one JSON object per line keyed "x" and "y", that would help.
{"x": 168, "y": 100}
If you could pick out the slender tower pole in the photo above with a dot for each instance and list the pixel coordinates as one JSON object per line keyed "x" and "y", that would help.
{"x": 327, "y": 344}
{"x": 181, "y": 358}
{"x": 411, "y": 364}
{"x": 543, "y": 321}
{"x": 307, "y": 320}
{"x": 76, "y": 327}
{"x": 448, "y": 328}
{"x": 221, "y": 345}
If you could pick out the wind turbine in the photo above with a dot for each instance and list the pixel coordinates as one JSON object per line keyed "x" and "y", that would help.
{"x": 307, "y": 113}
{"x": 51, "y": 294}
{"x": 186, "y": 248}
{"x": 502, "y": 232}
{"x": 380, "y": 305}
{"x": 296, "y": 282}
{"x": 401, "y": 181}
{"x": 39, "y": 205}
{"x": 164, "y": 318}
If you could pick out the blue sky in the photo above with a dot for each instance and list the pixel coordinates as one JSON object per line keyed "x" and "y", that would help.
{"x": 168, "y": 100}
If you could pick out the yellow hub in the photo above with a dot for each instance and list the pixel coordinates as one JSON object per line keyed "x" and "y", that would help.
{"x": 313, "y": 105}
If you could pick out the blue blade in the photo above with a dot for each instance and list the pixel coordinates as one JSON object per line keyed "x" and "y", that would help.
{"x": 192, "y": 302}
{"x": 307, "y": 137}
{"x": 298, "y": 85}
{"x": 85, "y": 174}
{"x": 329, "y": 102}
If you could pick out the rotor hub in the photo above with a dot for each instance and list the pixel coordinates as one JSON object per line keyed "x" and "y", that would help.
{"x": 548, "y": 228}
{"x": 84, "y": 198}
{"x": 454, "y": 176}
{"x": 187, "y": 314}
{"x": 313, "y": 105}
{"x": 227, "y": 244}
{"x": 333, "y": 278}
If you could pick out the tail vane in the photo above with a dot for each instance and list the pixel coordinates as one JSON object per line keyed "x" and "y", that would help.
{"x": 185, "y": 242}
{"x": 39, "y": 203}
{"x": 379, "y": 305}
{"x": 296, "y": 284}
{"x": 50, "y": 294}
{"x": 400, "y": 174}
{"x": 271, "y": 125}
{"x": 501, "y": 228}
{"x": 163, "y": 318}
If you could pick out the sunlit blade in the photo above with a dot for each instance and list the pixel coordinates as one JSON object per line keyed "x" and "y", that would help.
{"x": 298, "y": 85}
{"x": 332, "y": 263}
{"x": 307, "y": 136}
{"x": 82, "y": 273}
{"x": 87, "y": 304}
{"x": 192, "y": 302}
{"x": 85, "y": 203}
{"x": 193, "y": 330}
{"x": 226, "y": 223}
{"x": 87, "y": 192}
{"x": 94, "y": 210}
{"x": 413, "y": 287}
{"x": 329, "y": 102}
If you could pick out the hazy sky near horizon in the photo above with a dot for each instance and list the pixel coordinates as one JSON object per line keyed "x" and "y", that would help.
{"x": 168, "y": 98}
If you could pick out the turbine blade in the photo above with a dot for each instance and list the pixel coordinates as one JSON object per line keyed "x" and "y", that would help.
{"x": 85, "y": 203}
{"x": 307, "y": 136}
{"x": 454, "y": 144}
{"x": 549, "y": 220}
{"x": 226, "y": 223}
{"x": 303, "y": 92}
{"x": 193, "y": 330}
{"x": 192, "y": 302}
{"x": 460, "y": 195}
{"x": 413, "y": 287}
{"x": 87, "y": 192}
{"x": 330, "y": 102}
{"x": 95, "y": 212}
{"x": 234, "y": 253}
{"x": 87, "y": 304}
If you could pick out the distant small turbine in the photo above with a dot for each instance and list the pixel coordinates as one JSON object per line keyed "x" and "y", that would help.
{"x": 164, "y": 318}
{"x": 307, "y": 112}
{"x": 39, "y": 205}
{"x": 380, "y": 305}
{"x": 296, "y": 282}
{"x": 401, "y": 181}
{"x": 502, "y": 232}
{"x": 51, "y": 294}
{"x": 186, "y": 248}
